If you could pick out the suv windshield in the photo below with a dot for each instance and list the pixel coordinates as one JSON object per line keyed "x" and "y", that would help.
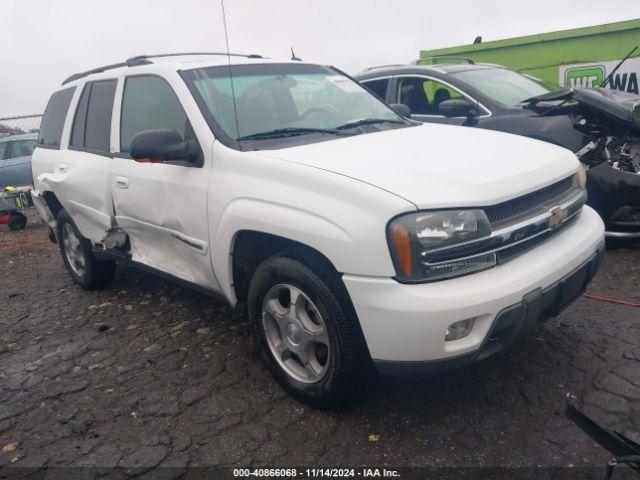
{"x": 504, "y": 86}
{"x": 282, "y": 100}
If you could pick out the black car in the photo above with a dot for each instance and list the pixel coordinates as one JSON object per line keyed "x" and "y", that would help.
{"x": 601, "y": 126}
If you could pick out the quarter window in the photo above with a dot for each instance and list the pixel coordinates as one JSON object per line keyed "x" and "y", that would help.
{"x": 423, "y": 96}
{"x": 54, "y": 117}
{"x": 92, "y": 124}
{"x": 149, "y": 103}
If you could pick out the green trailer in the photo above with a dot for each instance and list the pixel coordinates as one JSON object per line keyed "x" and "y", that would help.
{"x": 581, "y": 57}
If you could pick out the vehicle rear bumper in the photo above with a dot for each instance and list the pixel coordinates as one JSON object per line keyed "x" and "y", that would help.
{"x": 405, "y": 325}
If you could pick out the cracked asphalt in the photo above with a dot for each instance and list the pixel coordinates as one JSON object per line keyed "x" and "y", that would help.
{"x": 147, "y": 374}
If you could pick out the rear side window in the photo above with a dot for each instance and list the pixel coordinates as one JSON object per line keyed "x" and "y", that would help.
{"x": 92, "y": 124}
{"x": 77, "y": 132}
{"x": 149, "y": 102}
{"x": 378, "y": 87}
{"x": 53, "y": 119}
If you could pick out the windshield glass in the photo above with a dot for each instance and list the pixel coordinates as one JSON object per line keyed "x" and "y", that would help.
{"x": 271, "y": 97}
{"x": 504, "y": 86}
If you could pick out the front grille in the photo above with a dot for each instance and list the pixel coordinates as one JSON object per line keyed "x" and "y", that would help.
{"x": 511, "y": 252}
{"x": 527, "y": 205}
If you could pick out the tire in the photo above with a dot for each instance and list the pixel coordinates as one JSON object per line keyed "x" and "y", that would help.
{"x": 17, "y": 221}
{"x": 85, "y": 270}
{"x": 620, "y": 243}
{"x": 318, "y": 291}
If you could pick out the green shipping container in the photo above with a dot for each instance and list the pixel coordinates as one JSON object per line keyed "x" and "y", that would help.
{"x": 580, "y": 57}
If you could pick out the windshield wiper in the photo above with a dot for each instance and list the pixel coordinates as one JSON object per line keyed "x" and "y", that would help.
{"x": 288, "y": 132}
{"x": 367, "y": 121}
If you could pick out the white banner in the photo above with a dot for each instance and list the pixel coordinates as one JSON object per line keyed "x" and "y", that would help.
{"x": 590, "y": 75}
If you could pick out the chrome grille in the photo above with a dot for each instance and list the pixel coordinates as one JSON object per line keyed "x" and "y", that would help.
{"x": 529, "y": 204}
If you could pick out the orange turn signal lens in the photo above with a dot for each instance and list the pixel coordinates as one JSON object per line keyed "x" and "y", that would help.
{"x": 402, "y": 245}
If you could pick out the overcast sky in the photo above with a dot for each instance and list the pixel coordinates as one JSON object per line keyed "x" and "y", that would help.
{"x": 44, "y": 41}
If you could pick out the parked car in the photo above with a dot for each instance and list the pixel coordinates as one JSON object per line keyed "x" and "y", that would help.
{"x": 15, "y": 171}
{"x": 351, "y": 234}
{"x": 15, "y": 159}
{"x": 601, "y": 126}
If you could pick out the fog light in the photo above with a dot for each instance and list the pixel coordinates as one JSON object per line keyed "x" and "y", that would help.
{"x": 459, "y": 330}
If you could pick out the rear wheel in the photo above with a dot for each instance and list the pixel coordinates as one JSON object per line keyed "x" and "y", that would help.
{"x": 87, "y": 271}
{"x": 305, "y": 330}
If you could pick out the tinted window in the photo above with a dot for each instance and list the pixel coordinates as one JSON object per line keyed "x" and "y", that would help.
{"x": 378, "y": 87}
{"x": 54, "y": 117}
{"x": 3, "y": 147}
{"x": 148, "y": 103}
{"x": 77, "y": 133}
{"x": 92, "y": 124}
{"x": 98, "y": 128}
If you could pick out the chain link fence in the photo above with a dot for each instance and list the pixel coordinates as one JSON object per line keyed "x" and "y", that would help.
{"x": 19, "y": 125}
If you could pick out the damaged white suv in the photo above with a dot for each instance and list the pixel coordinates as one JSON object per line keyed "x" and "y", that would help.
{"x": 354, "y": 236}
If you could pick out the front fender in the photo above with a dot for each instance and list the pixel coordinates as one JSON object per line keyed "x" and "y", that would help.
{"x": 308, "y": 228}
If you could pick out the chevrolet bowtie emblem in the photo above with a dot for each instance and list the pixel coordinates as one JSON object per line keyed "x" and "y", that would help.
{"x": 558, "y": 216}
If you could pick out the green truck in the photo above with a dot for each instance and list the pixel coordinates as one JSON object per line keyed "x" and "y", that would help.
{"x": 577, "y": 58}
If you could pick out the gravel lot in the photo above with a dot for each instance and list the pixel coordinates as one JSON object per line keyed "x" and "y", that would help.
{"x": 147, "y": 374}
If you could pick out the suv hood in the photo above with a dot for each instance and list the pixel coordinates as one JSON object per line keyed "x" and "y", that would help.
{"x": 435, "y": 166}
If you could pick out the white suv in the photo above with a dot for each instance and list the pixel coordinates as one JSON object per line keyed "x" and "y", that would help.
{"x": 354, "y": 236}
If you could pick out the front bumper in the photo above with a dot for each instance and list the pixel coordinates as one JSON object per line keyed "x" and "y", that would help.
{"x": 405, "y": 325}
{"x": 510, "y": 324}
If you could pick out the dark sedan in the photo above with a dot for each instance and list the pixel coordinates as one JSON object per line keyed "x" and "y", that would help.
{"x": 601, "y": 126}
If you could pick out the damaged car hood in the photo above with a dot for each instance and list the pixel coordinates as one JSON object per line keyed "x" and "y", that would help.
{"x": 620, "y": 105}
{"x": 435, "y": 166}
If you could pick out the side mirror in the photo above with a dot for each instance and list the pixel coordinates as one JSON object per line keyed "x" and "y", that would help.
{"x": 401, "y": 109}
{"x": 458, "y": 107}
{"x": 161, "y": 145}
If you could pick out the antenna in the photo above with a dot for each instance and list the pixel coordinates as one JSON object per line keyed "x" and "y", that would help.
{"x": 233, "y": 91}
{"x": 293, "y": 56}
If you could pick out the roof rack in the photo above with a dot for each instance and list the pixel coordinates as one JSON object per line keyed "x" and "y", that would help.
{"x": 145, "y": 60}
{"x": 189, "y": 54}
{"x": 384, "y": 66}
{"x": 445, "y": 57}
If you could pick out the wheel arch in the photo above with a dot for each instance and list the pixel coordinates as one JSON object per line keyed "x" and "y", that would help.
{"x": 280, "y": 227}
{"x": 251, "y": 247}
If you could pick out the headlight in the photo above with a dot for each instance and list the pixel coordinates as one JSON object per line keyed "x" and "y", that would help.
{"x": 414, "y": 236}
{"x": 581, "y": 177}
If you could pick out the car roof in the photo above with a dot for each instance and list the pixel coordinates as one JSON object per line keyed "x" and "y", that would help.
{"x": 441, "y": 69}
{"x": 19, "y": 136}
{"x": 173, "y": 62}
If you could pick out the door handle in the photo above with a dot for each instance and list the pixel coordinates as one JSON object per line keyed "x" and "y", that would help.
{"x": 62, "y": 167}
{"x": 122, "y": 182}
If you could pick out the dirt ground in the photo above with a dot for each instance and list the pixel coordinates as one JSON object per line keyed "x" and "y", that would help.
{"x": 154, "y": 378}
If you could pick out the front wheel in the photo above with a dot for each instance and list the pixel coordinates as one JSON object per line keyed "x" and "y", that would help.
{"x": 87, "y": 271}
{"x": 305, "y": 330}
